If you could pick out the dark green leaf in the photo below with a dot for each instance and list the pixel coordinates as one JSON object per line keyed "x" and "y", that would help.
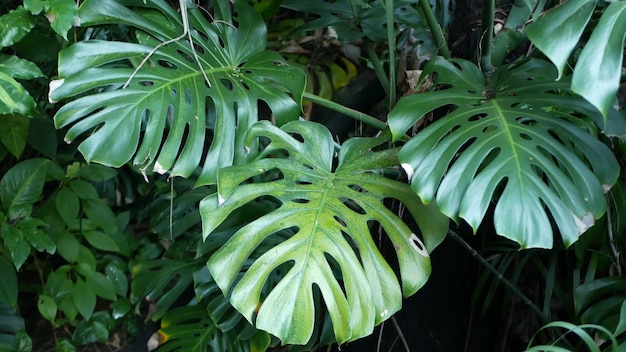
{"x": 118, "y": 279}
{"x": 14, "y": 132}
{"x": 8, "y": 288}
{"x": 101, "y": 240}
{"x": 160, "y": 280}
{"x": 67, "y": 246}
{"x": 565, "y": 24}
{"x": 84, "y": 297}
{"x": 120, "y": 308}
{"x": 47, "y": 307}
{"x": 333, "y": 215}
{"x": 83, "y": 189}
{"x": 37, "y": 238}
{"x": 96, "y": 172}
{"x": 599, "y": 67}
{"x": 67, "y": 205}
{"x": 22, "y": 186}
{"x": 15, "y": 25}
{"x": 104, "y": 287}
{"x": 42, "y": 137}
{"x": 168, "y": 97}
{"x": 16, "y": 243}
{"x": 101, "y": 215}
{"x": 14, "y": 99}
{"x": 93, "y": 330}
{"x": 522, "y": 149}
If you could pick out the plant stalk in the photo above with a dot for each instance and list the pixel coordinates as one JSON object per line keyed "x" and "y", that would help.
{"x": 435, "y": 29}
{"x": 378, "y": 66}
{"x": 357, "y": 115}
{"x": 489, "y": 8}
{"x": 500, "y": 277}
{"x": 391, "y": 45}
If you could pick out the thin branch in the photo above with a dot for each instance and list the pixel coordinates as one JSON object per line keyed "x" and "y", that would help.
{"x": 357, "y": 115}
{"x": 489, "y": 7}
{"x": 391, "y": 45}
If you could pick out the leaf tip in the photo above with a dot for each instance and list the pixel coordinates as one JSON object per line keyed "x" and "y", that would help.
{"x": 54, "y": 84}
{"x": 159, "y": 168}
{"x": 585, "y": 223}
{"x": 408, "y": 169}
{"x": 606, "y": 188}
{"x": 220, "y": 199}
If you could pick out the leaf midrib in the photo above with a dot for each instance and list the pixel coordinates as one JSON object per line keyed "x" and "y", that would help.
{"x": 507, "y": 130}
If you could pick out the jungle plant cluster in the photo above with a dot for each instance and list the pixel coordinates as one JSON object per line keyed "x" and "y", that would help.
{"x": 161, "y": 161}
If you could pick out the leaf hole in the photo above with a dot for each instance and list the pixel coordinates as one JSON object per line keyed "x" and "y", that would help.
{"x": 477, "y": 117}
{"x": 340, "y": 221}
{"x": 525, "y": 120}
{"x": 358, "y": 188}
{"x": 525, "y": 136}
{"x": 166, "y": 64}
{"x": 336, "y": 269}
{"x": 352, "y": 205}
{"x": 226, "y": 83}
{"x": 146, "y": 83}
{"x": 297, "y": 137}
{"x": 185, "y": 56}
{"x": 300, "y": 200}
{"x": 188, "y": 97}
{"x": 303, "y": 182}
{"x": 489, "y": 129}
{"x": 198, "y": 48}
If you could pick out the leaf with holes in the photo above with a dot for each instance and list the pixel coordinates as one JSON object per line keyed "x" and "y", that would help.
{"x": 519, "y": 143}
{"x": 333, "y": 215}
{"x": 176, "y": 104}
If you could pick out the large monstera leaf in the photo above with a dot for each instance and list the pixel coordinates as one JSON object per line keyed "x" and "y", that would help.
{"x": 332, "y": 215}
{"x": 519, "y": 143}
{"x": 169, "y": 111}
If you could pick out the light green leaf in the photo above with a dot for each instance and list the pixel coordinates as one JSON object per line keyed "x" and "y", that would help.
{"x": 599, "y": 67}
{"x": 62, "y": 14}
{"x": 168, "y": 105}
{"x": 8, "y": 289}
{"x": 13, "y": 97}
{"x": 14, "y": 132}
{"x": 47, "y": 307}
{"x": 565, "y": 24}
{"x": 331, "y": 215}
{"x": 38, "y": 239}
{"x": 67, "y": 246}
{"x": 84, "y": 296}
{"x": 19, "y": 68}
{"x": 15, "y": 25}
{"x": 22, "y": 186}
{"x": 517, "y": 144}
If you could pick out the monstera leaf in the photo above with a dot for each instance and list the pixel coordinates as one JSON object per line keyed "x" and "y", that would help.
{"x": 518, "y": 143}
{"x": 599, "y": 68}
{"x": 332, "y": 215}
{"x": 175, "y": 104}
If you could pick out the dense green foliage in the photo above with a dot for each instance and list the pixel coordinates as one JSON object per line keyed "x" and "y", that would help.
{"x": 160, "y": 161}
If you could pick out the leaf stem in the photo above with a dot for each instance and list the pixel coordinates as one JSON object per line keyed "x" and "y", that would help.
{"x": 489, "y": 7}
{"x": 500, "y": 277}
{"x": 378, "y": 66}
{"x": 391, "y": 45}
{"x": 357, "y": 115}
{"x": 435, "y": 29}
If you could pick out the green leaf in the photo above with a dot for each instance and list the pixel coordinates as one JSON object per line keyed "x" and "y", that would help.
{"x": 14, "y": 132}
{"x": 100, "y": 213}
{"x": 84, "y": 297}
{"x": 95, "y": 172}
{"x": 47, "y": 307}
{"x": 118, "y": 279}
{"x": 15, "y": 25}
{"x": 332, "y": 215}
{"x": 42, "y": 137}
{"x": 38, "y": 239}
{"x": 105, "y": 287}
{"x": 13, "y": 97}
{"x": 191, "y": 329}
{"x": 162, "y": 281}
{"x": 62, "y": 14}
{"x": 599, "y": 67}
{"x": 517, "y": 144}
{"x": 83, "y": 189}
{"x": 168, "y": 100}
{"x": 22, "y": 186}
{"x": 68, "y": 205}
{"x": 101, "y": 240}
{"x": 19, "y": 68}
{"x": 8, "y": 289}
{"x": 565, "y": 24}
{"x": 67, "y": 246}
{"x": 17, "y": 245}
{"x": 11, "y": 324}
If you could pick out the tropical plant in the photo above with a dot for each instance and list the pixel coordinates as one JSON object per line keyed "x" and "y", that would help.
{"x": 259, "y": 228}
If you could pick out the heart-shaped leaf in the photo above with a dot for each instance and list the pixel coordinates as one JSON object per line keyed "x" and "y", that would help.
{"x": 517, "y": 143}
{"x": 332, "y": 215}
{"x": 170, "y": 95}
